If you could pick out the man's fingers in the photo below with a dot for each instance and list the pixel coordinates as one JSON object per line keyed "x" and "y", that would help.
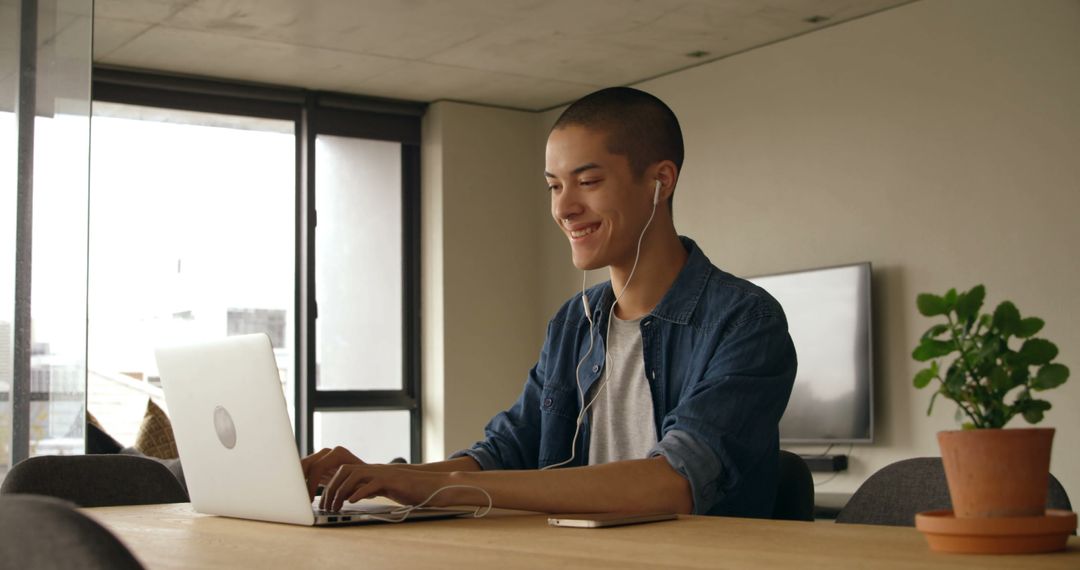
{"x": 343, "y": 484}
{"x": 312, "y": 486}
{"x": 363, "y": 492}
{"x": 355, "y": 479}
{"x": 307, "y": 462}
{"x": 331, "y": 488}
{"x": 314, "y": 475}
{"x": 319, "y": 466}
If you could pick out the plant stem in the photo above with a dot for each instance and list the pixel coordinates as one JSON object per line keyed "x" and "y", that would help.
{"x": 975, "y": 418}
{"x": 967, "y": 370}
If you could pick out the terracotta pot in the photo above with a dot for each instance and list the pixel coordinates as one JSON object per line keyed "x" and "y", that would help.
{"x": 997, "y": 472}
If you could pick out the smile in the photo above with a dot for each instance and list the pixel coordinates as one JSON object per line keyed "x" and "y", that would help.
{"x": 578, "y": 234}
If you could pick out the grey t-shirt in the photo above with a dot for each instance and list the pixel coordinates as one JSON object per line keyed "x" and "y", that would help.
{"x": 622, "y": 415}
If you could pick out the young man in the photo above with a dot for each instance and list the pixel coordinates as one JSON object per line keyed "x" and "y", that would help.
{"x": 683, "y": 380}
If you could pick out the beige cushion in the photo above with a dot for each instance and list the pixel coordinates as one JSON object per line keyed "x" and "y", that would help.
{"x": 156, "y": 437}
{"x": 90, "y": 419}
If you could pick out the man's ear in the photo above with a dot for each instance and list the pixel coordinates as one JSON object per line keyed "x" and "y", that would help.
{"x": 668, "y": 174}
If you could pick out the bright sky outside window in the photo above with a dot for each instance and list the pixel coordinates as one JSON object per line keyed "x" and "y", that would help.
{"x": 192, "y": 237}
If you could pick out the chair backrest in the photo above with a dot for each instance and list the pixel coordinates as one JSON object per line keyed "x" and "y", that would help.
{"x": 894, "y": 494}
{"x": 96, "y": 480}
{"x": 45, "y": 533}
{"x": 794, "y": 490}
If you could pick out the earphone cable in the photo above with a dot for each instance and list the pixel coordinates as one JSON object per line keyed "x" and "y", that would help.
{"x": 607, "y": 354}
{"x": 400, "y": 514}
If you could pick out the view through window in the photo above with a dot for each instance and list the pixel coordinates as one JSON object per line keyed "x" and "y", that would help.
{"x": 192, "y": 238}
{"x": 44, "y": 150}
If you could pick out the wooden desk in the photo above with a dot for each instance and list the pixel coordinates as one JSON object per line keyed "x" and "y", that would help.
{"x": 173, "y": 536}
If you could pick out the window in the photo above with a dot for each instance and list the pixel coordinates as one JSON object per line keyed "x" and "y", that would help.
{"x": 225, "y": 209}
{"x": 44, "y": 142}
{"x": 358, "y": 334}
{"x": 364, "y": 181}
{"x": 191, "y": 239}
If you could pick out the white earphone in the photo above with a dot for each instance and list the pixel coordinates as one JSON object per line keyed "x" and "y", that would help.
{"x": 588, "y": 315}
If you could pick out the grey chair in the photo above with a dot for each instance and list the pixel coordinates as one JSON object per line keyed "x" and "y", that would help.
{"x": 795, "y": 490}
{"x": 96, "y": 480}
{"x": 898, "y": 491}
{"x": 45, "y": 533}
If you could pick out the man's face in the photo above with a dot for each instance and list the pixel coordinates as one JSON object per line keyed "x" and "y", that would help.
{"x": 595, "y": 200}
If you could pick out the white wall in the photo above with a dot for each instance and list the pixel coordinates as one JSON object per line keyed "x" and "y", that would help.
{"x": 482, "y": 178}
{"x": 938, "y": 140}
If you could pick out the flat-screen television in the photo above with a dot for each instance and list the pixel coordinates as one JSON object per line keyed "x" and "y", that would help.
{"x": 828, "y": 313}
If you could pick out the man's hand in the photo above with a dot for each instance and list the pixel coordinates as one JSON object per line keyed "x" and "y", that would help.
{"x": 320, "y": 467}
{"x": 354, "y": 482}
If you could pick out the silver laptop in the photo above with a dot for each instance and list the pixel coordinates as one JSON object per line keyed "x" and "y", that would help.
{"x": 232, "y": 431}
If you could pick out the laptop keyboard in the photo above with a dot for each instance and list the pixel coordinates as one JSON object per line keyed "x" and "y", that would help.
{"x": 356, "y": 509}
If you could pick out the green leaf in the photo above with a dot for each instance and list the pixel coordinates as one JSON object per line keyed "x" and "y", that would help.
{"x": 990, "y": 348}
{"x": 1050, "y": 376}
{"x": 950, "y": 300}
{"x": 967, "y": 426}
{"x": 1029, "y": 327}
{"x": 1036, "y": 351}
{"x": 1033, "y": 410}
{"x": 1012, "y": 359}
{"x": 923, "y": 378}
{"x": 935, "y": 330}
{"x": 968, "y": 304}
{"x": 931, "y": 305}
{"x": 1020, "y": 376}
{"x": 954, "y": 381}
{"x": 929, "y": 348}
{"x": 999, "y": 380}
{"x": 1006, "y": 318}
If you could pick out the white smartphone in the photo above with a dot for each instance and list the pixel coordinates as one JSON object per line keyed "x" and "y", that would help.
{"x": 600, "y": 520}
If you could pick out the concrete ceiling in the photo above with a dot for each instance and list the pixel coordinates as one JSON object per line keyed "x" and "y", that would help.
{"x": 525, "y": 54}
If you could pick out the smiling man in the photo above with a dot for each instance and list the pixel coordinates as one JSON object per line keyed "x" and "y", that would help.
{"x": 659, "y": 390}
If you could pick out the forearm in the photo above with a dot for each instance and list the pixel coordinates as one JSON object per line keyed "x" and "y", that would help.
{"x": 457, "y": 464}
{"x": 645, "y": 485}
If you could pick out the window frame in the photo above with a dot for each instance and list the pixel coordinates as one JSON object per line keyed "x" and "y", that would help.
{"x": 313, "y": 113}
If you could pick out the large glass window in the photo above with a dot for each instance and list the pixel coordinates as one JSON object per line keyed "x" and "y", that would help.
{"x": 376, "y": 437}
{"x": 365, "y": 198}
{"x": 222, "y": 209}
{"x": 192, "y": 238}
{"x": 8, "y": 137}
{"x": 358, "y": 264}
{"x": 198, "y": 221}
{"x": 44, "y": 148}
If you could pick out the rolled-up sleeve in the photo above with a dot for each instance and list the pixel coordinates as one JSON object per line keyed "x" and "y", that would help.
{"x": 694, "y": 461}
{"x": 726, "y": 423}
{"x": 483, "y": 457}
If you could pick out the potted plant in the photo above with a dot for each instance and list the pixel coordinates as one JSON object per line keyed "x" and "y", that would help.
{"x": 993, "y": 367}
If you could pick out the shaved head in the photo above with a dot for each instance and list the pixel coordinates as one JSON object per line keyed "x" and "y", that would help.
{"x": 638, "y": 126}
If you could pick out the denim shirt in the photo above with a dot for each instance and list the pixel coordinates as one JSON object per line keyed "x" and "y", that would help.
{"x": 720, "y": 365}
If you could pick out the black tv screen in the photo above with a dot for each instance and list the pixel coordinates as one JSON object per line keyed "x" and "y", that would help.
{"x": 828, "y": 313}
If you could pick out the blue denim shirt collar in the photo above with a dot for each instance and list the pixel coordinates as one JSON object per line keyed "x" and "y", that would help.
{"x": 678, "y": 304}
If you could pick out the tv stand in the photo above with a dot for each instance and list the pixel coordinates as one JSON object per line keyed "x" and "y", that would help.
{"x": 826, "y": 463}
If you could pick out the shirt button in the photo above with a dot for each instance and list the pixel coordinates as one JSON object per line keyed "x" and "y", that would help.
{"x": 595, "y": 368}
{"x": 646, "y": 323}
{"x": 547, "y": 402}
